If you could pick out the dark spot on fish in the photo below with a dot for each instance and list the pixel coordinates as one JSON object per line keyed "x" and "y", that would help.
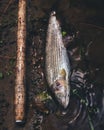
{"x": 57, "y": 83}
{"x": 56, "y": 86}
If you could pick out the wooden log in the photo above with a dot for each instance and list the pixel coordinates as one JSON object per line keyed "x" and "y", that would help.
{"x": 20, "y": 86}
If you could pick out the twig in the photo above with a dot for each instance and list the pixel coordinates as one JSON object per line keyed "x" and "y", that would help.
{"x": 5, "y": 9}
{"x": 7, "y": 6}
{"x": 20, "y": 86}
{"x": 93, "y": 25}
{"x": 7, "y": 57}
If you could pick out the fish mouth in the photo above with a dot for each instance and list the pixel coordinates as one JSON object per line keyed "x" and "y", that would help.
{"x": 63, "y": 100}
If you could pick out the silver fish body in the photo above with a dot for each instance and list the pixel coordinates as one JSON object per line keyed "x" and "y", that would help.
{"x": 57, "y": 63}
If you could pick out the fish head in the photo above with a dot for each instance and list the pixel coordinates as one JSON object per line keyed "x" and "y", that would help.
{"x": 53, "y": 13}
{"x": 61, "y": 92}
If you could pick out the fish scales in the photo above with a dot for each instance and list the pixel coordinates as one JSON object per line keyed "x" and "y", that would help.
{"x": 57, "y": 63}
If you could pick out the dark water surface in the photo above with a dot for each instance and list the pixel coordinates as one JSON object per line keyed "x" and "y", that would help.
{"x": 83, "y": 24}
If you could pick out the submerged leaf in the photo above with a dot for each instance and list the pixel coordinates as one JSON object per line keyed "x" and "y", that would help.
{"x": 1, "y": 75}
{"x": 90, "y": 123}
{"x": 44, "y": 96}
{"x": 63, "y": 33}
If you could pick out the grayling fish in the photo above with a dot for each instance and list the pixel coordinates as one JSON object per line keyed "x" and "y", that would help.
{"x": 57, "y": 63}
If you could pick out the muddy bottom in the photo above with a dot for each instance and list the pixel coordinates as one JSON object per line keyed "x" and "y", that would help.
{"x": 83, "y": 34}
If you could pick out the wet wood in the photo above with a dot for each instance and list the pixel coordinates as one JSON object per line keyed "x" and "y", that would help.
{"x": 20, "y": 65}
